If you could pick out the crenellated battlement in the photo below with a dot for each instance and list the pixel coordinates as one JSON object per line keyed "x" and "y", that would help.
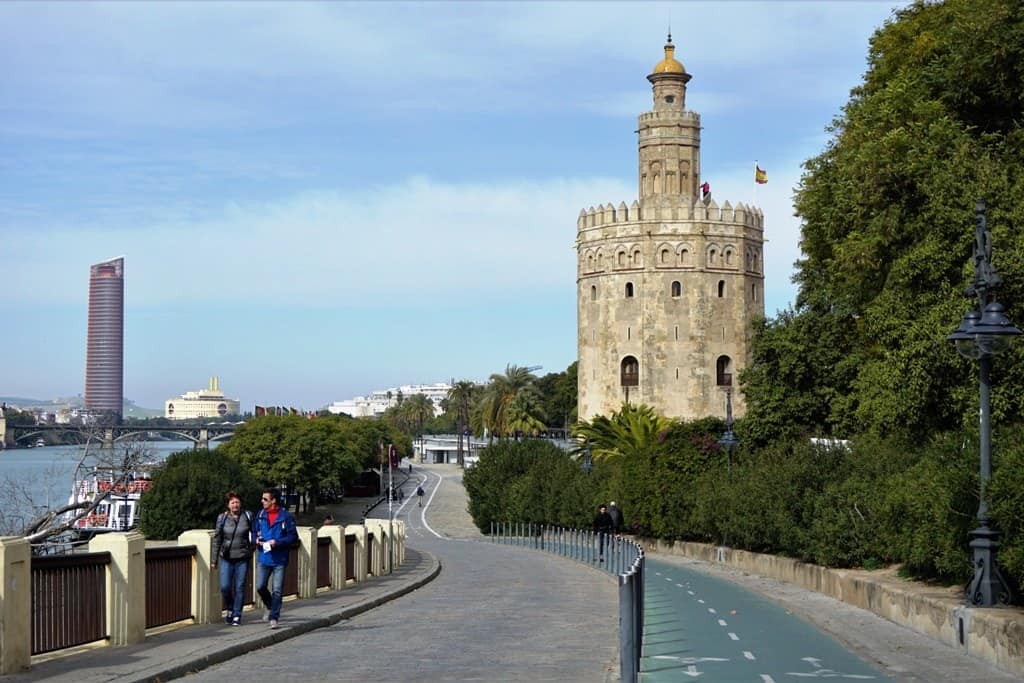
{"x": 607, "y": 214}
{"x": 687, "y": 116}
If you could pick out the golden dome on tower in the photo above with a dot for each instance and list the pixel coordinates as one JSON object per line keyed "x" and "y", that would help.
{"x": 669, "y": 65}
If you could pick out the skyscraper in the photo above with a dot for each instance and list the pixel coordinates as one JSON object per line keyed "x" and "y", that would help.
{"x": 104, "y": 359}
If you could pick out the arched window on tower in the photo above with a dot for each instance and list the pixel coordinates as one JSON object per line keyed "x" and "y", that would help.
{"x": 629, "y": 290}
{"x": 721, "y": 288}
{"x": 728, "y": 257}
{"x": 636, "y": 258}
{"x": 593, "y": 292}
{"x": 666, "y": 256}
{"x": 630, "y": 372}
{"x": 723, "y": 371}
{"x": 621, "y": 258}
{"x": 677, "y": 289}
{"x": 711, "y": 257}
{"x": 753, "y": 292}
{"x": 684, "y": 257}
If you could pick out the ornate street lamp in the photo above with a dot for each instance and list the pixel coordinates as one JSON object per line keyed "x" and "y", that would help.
{"x": 729, "y": 441}
{"x": 982, "y": 334}
{"x": 588, "y": 462}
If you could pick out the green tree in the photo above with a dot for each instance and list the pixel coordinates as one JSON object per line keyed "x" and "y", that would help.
{"x": 888, "y": 228}
{"x": 631, "y": 432}
{"x": 301, "y": 454}
{"x": 460, "y": 401}
{"x": 188, "y": 492}
{"x": 496, "y": 413}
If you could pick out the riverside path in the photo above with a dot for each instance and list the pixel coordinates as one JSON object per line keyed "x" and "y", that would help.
{"x": 495, "y": 613}
{"x": 505, "y": 613}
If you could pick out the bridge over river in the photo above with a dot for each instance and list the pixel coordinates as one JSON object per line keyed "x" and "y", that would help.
{"x": 199, "y": 435}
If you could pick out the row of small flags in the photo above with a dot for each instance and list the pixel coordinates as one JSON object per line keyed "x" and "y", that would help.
{"x": 760, "y": 177}
{"x": 263, "y": 411}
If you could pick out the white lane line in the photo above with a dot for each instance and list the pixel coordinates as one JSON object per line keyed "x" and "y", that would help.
{"x": 691, "y": 592}
{"x": 765, "y": 678}
{"x": 430, "y": 499}
{"x": 749, "y": 655}
{"x": 700, "y": 601}
{"x": 733, "y": 636}
{"x": 679, "y": 585}
{"x": 657, "y": 573}
{"x": 711, "y": 609}
{"x": 721, "y": 622}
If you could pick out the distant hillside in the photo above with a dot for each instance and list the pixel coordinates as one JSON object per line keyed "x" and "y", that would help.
{"x": 130, "y": 409}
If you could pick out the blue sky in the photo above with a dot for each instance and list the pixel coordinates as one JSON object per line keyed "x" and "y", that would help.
{"x": 316, "y": 200}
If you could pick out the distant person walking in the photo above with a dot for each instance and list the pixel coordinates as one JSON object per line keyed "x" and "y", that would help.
{"x": 602, "y": 527}
{"x": 616, "y": 514}
{"x": 234, "y": 539}
{"x": 419, "y": 495}
{"x": 276, "y": 535}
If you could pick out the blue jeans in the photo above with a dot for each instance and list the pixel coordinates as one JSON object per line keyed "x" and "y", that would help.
{"x": 271, "y": 598}
{"x": 232, "y": 584}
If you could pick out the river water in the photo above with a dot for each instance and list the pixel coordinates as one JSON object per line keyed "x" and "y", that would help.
{"x": 33, "y": 480}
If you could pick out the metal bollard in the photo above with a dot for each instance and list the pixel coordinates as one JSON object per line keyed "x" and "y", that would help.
{"x": 627, "y": 635}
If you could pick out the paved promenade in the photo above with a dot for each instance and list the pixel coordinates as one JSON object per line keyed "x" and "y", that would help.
{"x": 463, "y": 609}
{"x": 493, "y": 613}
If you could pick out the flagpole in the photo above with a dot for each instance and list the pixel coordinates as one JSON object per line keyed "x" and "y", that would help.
{"x": 756, "y": 204}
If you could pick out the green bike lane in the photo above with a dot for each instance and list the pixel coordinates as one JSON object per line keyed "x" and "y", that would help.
{"x": 700, "y": 627}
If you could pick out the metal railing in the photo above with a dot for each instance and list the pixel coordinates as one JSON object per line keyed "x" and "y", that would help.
{"x": 620, "y": 557}
{"x": 168, "y": 584}
{"x": 69, "y": 600}
{"x": 350, "y": 557}
{"x": 323, "y": 562}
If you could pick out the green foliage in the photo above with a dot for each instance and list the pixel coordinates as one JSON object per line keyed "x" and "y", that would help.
{"x": 1006, "y": 501}
{"x": 310, "y": 455}
{"x": 188, "y": 492}
{"x": 930, "y": 508}
{"x": 558, "y": 392}
{"x": 887, "y": 212}
{"x": 527, "y": 481}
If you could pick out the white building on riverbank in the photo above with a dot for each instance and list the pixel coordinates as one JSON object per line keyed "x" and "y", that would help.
{"x": 209, "y": 402}
{"x": 377, "y": 402}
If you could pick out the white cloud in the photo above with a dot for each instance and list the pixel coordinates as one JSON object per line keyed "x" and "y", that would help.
{"x": 421, "y": 236}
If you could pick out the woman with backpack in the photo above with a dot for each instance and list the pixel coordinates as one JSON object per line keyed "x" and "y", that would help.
{"x": 234, "y": 539}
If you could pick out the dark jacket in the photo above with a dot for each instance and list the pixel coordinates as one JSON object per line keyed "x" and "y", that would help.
{"x": 234, "y": 538}
{"x": 616, "y": 514}
{"x": 602, "y": 523}
{"x": 282, "y": 532}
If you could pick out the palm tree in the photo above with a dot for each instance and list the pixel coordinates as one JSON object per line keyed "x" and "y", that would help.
{"x": 499, "y": 396}
{"x": 631, "y": 432}
{"x": 417, "y": 409}
{"x": 460, "y": 401}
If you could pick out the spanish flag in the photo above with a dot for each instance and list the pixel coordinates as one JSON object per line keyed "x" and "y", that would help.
{"x": 760, "y": 175}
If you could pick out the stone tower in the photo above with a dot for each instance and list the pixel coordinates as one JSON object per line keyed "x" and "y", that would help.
{"x": 668, "y": 286}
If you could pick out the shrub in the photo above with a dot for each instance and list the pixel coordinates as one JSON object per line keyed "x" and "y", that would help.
{"x": 188, "y": 493}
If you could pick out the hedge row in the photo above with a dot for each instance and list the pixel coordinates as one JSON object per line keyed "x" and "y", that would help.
{"x": 866, "y": 504}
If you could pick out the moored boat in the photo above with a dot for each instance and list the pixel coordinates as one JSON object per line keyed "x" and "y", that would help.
{"x": 119, "y": 509}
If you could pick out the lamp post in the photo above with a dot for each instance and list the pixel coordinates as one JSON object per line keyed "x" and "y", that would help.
{"x": 728, "y": 442}
{"x": 982, "y": 334}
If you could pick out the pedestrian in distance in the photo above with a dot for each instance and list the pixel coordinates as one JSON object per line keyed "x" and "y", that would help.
{"x": 419, "y": 495}
{"x": 616, "y": 514}
{"x": 234, "y": 538}
{"x": 410, "y": 468}
{"x": 328, "y": 519}
{"x": 602, "y": 527}
{"x": 276, "y": 535}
